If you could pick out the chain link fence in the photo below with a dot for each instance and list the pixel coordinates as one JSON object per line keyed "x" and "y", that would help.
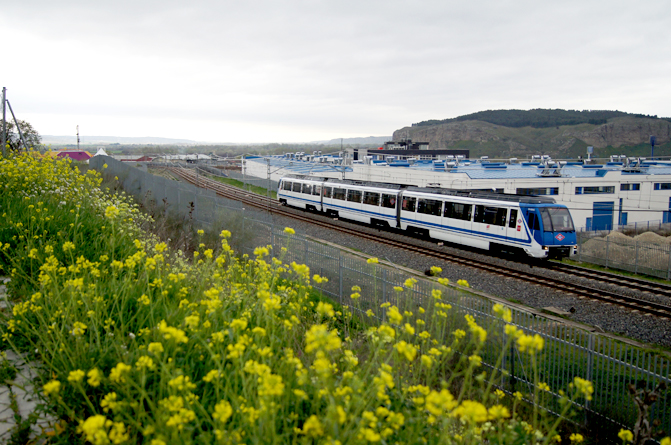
{"x": 569, "y": 352}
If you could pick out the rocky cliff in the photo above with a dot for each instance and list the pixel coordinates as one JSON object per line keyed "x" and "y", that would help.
{"x": 483, "y": 138}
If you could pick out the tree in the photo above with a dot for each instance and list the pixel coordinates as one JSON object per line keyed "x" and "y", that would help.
{"x": 30, "y": 135}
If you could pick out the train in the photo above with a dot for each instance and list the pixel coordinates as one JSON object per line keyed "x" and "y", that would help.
{"x": 535, "y": 225}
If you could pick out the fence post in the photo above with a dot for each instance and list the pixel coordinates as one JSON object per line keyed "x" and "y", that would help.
{"x": 668, "y": 266}
{"x": 340, "y": 275}
{"x": 305, "y": 251}
{"x": 590, "y": 365}
{"x": 607, "y": 244}
{"x": 636, "y": 263}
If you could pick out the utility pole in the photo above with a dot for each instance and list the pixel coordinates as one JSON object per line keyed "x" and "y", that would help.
{"x": 4, "y": 121}
{"x": 77, "y": 137}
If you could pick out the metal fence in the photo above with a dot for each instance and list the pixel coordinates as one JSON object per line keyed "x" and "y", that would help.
{"x": 569, "y": 352}
{"x": 623, "y": 253}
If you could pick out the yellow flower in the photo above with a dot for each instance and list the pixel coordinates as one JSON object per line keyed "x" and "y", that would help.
{"x": 289, "y": 231}
{"x": 407, "y": 350}
{"x": 222, "y": 411}
{"x": 532, "y": 345}
{"x": 312, "y": 427}
{"x": 68, "y": 246}
{"x": 94, "y": 376}
{"x": 145, "y": 362}
{"x": 117, "y": 373}
{"x": 155, "y": 348}
{"x": 471, "y": 411}
{"x": 410, "y": 282}
{"x": 577, "y": 438}
{"x": 325, "y": 309}
{"x": 498, "y": 412}
{"x": 665, "y": 441}
{"x": 320, "y": 338}
{"x": 503, "y": 312}
{"x": 584, "y": 387}
{"x": 372, "y": 261}
{"x": 78, "y": 328}
{"x": 463, "y": 283}
{"x": 52, "y": 387}
{"x": 76, "y": 376}
{"x": 626, "y": 435}
{"x": 95, "y": 429}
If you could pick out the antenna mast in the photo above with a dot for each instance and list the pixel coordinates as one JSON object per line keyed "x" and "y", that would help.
{"x": 77, "y": 137}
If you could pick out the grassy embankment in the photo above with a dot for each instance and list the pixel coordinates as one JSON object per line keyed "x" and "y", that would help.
{"x": 139, "y": 344}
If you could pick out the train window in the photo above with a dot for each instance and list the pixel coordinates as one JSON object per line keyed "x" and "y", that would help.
{"x": 317, "y": 190}
{"x": 354, "y": 195}
{"x": 430, "y": 207}
{"x": 286, "y": 185}
{"x": 490, "y": 215}
{"x": 371, "y": 198}
{"x": 457, "y": 210}
{"x": 297, "y": 187}
{"x": 556, "y": 219}
{"x": 513, "y": 218}
{"x": 533, "y": 221}
{"x": 307, "y": 189}
{"x": 339, "y": 193}
{"x": 327, "y": 192}
{"x": 388, "y": 201}
{"x": 409, "y": 204}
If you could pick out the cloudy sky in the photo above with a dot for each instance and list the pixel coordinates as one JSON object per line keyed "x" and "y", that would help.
{"x": 298, "y": 71}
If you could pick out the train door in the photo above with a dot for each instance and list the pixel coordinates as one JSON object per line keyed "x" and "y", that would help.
{"x": 515, "y": 231}
{"x": 533, "y": 222}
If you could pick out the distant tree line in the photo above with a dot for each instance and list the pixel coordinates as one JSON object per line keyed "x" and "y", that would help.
{"x": 538, "y": 118}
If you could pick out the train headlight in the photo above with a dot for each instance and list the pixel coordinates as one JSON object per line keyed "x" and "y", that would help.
{"x": 546, "y": 248}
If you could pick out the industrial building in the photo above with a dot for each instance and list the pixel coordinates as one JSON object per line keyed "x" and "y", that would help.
{"x": 602, "y": 196}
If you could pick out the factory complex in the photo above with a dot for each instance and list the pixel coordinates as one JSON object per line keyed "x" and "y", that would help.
{"x": 600, "y": 196}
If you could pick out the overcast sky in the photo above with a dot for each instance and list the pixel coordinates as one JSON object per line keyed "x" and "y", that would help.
{"x": 298, "y": 71}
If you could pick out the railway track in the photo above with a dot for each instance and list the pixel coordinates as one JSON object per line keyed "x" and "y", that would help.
{"x": 409, "y": 244}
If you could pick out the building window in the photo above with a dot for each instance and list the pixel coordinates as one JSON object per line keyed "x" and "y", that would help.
{"x": 662, "y": 185}
{"x": 538, "y": 191}
{"x": 599, "y": 190}
{"x": 627, "y": 187}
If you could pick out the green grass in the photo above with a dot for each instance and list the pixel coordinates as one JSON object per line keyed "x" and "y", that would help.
{"x": 623, "y": 273}
{"x": 241, "y": 185}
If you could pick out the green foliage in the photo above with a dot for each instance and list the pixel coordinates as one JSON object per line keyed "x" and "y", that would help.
{"x": 536, "y": 118}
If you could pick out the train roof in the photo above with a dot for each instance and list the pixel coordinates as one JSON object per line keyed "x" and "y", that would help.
{"x": 482, "y": 194}
{"x": 476, "y": 194}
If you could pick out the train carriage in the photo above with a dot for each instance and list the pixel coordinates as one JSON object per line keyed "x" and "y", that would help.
{"x": 484, "y": 220}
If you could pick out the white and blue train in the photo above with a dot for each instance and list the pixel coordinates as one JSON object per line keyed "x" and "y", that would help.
{"x": 536, "y": 225}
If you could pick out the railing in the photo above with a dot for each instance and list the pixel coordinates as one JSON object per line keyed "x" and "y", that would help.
{"x": 610, "y": 364}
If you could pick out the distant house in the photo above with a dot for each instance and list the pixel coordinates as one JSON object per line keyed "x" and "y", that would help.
{"x": 75, "y": 155}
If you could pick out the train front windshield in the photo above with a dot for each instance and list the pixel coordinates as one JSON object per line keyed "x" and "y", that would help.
{"x": 556, "y": 219}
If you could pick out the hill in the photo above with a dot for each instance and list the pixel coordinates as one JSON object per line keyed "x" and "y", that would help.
{"x": 559, "y": 133}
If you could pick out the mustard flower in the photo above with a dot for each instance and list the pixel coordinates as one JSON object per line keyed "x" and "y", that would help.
{"x": 312, "y": 427}
{"x": 410, "y": 282}
{"x": 583, "y": 386}
{"x": 372, "y": 261}
{"x": 94, "y": 377}
{"x": 52, "y": 387}
{"x": 95, "y": 429}
{"x": 76, "y": 376}
{"x": 576, "y": 438}
{"x": 471, "y": 411}
{"x": 530, "y": 344}
{"x": 463, "y": 283}
{"x": 497, "y": 412}
{"x": 665, "y": 441}
{"x": 325, "y": 309}
{"x": 407, "y": 350}
{"x": 117, "y": 373}
{"x": 289, "y": 231}
{"x": 78, "y": 328}
{"x": 625, "y": 435}
{"x": 155, "y": 348}
{"x": 222, "y": 411}
{"x": 68, "y": 246}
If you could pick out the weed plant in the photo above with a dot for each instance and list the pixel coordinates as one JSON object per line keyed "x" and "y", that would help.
{"x": 140, "y": 344}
